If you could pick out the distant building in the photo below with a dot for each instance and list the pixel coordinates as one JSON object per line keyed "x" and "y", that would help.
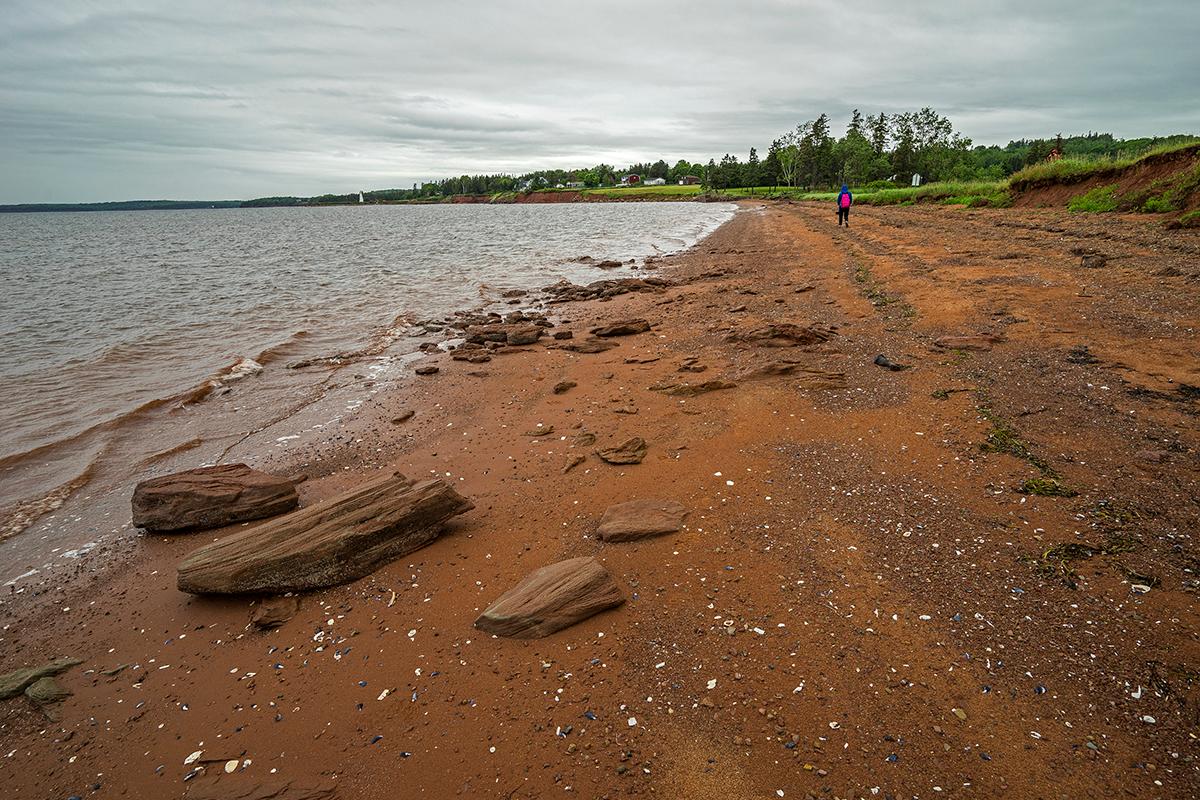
{"x": 656, "y": 182}
{"x": 689, "y": 180}
{"x": 631, "y": 180}
{"x": 575, "y": 184}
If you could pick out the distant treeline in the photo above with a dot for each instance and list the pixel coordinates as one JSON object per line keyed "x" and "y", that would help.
{"x": 881, "y": 148}
{"x": 123, "y": 205}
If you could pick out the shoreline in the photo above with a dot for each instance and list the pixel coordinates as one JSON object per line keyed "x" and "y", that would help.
{"x": 294, "y": 371}
{"x": 841, "y": 515}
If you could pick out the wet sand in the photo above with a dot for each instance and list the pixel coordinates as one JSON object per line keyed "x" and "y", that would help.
{"x": 882, "y": 612}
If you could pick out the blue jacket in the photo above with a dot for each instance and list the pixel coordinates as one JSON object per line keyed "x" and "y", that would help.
{"x": 845, "y": 191}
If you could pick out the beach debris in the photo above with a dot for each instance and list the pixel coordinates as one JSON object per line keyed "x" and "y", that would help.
{"x": 625, "y": 327}
{"x": 783, "y": 334}
{"x": 552, "y": 598}
{"x": 210, "y": 497}
{"x": 637, "y": 519}
{"x": 14, "y": 683}
{"x": 974, "y": 341}
{"x": 630, "y": 451}
{"x": 427, "y": 369}
{"x": 334, "y": 542}
{"x": 564, "y": 386}
{"x": 885, "y": 362}
{"x": 692, "y": 389}
{"x": 274, "y": 611}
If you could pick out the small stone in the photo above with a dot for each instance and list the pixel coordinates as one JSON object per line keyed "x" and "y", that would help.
{"x": 427, "y": 369}
{"x": 958, "y": 712}
{"x": 564, "y": 386}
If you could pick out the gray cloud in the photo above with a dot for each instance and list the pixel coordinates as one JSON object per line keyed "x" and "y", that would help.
{"x": 110, "y": 100}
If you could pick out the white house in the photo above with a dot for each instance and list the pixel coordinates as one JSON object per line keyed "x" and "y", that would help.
{"x": 656, "y": 182}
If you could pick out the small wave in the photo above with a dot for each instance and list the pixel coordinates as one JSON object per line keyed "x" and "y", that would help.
{"x": 19, "y": 517}
{"x": 182, "y": 447}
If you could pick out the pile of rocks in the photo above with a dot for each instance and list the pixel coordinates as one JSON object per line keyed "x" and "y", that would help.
{"x": 567, "y": 292}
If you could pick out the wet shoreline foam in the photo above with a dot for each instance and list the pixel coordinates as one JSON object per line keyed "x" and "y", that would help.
{"x": 282, "y": 380}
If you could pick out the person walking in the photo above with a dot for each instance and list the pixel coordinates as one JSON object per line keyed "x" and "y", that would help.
{"x": 844, "y": 201}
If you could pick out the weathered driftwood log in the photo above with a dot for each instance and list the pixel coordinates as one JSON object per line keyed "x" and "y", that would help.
{"x": 334, "y": 542}
{"x": 552, "y": 598}
{"x": 210, "y": 497}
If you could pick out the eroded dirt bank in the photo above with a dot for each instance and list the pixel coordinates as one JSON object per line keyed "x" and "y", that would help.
{"x": 862, "y": 603}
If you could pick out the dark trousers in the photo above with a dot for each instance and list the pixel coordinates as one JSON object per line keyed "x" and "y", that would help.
{"x": 844, "y": 216}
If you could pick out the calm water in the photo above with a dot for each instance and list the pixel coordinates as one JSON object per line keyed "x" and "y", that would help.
{"x": 107, "y": 317}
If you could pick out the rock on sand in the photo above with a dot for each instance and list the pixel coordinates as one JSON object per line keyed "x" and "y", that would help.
{"x": 637, "y": 519}
{"x": 552, "y": 598}
{"x": 330, "y": 543}
{"x": 210, "y": 497}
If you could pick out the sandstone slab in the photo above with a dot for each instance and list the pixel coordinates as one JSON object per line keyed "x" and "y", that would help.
{"x": 625, "y": 327}
{"x": 974, "y": 341}
{"x": 334, "y": 542}
{"x": 588, "y": 346}
{"x": 692, "y": 389}
{"x": 637, "y": 519}
{"x": 552, "y": 598}
{"x": 630, "y": 451}
{"x": 211, "y": 497}
{"x": 783, "y": 334}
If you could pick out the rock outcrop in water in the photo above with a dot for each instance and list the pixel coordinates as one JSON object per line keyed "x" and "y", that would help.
{"x": 552, "y": 598}
{"x": 330, "y": 543}
{"x": 210, "y": 497}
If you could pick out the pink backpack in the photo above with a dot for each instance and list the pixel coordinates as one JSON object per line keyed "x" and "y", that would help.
{"x": 845, "y": 200}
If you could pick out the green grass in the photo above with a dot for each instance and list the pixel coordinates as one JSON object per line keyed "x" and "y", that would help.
{"x": 1098, "y": 200}
{"x": 1191, "y": 219}
{"x": 1074, "y": 170}
{"x": 670, "y": 190}
{"x": 974, "y": 194}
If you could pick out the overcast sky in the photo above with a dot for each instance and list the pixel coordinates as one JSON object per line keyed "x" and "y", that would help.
{"x": 207, "y": 100}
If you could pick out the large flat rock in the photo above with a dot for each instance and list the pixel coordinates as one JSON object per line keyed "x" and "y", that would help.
{"x": 552, "y": 598}
{"x": 210, "y": 497}
{"x": 637, "y": 519}
{"x": 334, "y": 542}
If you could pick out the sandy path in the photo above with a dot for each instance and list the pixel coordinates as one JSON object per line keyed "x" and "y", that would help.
{"x": 877, "y": 566}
